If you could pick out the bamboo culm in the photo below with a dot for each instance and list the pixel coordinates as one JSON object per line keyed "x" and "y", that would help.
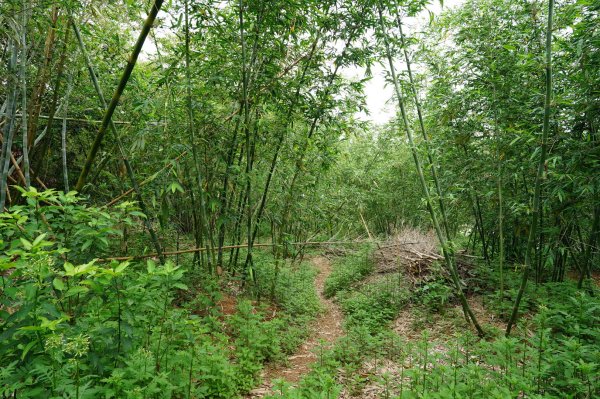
{"x": 63, "y": 141}
{"x": 192, "y": 137}
{"x": 433, "y": 166}
{"x": 9, "y": 128}
{"x": 117, "y": 95}
{"x": 23, "y": 74}
{"x": 533, "y": 228}
{"x": 469, "y": 315}
{"x": 128, "y": 167}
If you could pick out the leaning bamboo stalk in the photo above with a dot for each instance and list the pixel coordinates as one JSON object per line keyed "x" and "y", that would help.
{"x": 18, "y": 169}
{"x": 9, "y": 128}
{"x": 128, "y": 167}
{"x": 117, "y": 95}
{"x": 469, "y": 315}
{"x": 23, "y": 75}
{"x": 433, "y": 166}
{"x": 540, "y": 173}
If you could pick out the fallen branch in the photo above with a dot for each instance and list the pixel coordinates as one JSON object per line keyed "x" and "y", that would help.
{"x": 400, "y": 244}
{"x": 193, "y": 250}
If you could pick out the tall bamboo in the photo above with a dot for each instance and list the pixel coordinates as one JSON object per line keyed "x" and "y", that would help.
{"x": 248, "y": 143}
{"x": 63, "y": 148}
{"x": 469, "y": 315}
{"x": 23, "y": 74}
{"x": 191, "y": 130}
{"x": 433, "y": 166}
{"x": 533, "y": 228}
{"x": 9, "y": 128}
{"x": 117, "y": 95}
{"x": 120, "y": 147}
{"x": 35, "y": 105}
{"x": 39, "y": 154}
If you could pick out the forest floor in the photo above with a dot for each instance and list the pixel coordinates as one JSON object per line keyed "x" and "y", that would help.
{"x": 326, "y": 329}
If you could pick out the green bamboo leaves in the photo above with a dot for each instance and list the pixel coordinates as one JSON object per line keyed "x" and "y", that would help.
{"x": 533, "y": 227}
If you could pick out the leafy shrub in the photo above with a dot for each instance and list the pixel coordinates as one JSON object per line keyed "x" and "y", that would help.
{"x": 73, "y": 327}
{"x": 373, "y": 305}
{"x": 289, "y": 286}
{"x": 82, "y": 233}
{"x": 347, "y": 271}
{"x": 434, "y": 294}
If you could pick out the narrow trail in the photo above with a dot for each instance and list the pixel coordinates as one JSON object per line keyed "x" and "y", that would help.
{"x": 327, "y": 328}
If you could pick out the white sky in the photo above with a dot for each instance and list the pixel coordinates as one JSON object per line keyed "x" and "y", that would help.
{"x": 379, "y": 94}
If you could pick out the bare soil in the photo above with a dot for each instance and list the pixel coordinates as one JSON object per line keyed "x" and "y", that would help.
{"x": 327, "y": 328}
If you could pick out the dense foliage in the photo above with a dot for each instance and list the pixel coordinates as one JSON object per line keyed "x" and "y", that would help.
{"x": 73, "y": 329}
{"x": 166, "y": 166}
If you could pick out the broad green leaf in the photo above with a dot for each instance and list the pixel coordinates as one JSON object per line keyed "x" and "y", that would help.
{"x": 58, "y": 284}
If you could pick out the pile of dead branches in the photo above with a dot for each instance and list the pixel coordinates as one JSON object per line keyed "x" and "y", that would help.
{"x": 416, "y": 255}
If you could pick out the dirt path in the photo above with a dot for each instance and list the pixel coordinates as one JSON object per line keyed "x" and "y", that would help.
{"x": 326, "y": 328}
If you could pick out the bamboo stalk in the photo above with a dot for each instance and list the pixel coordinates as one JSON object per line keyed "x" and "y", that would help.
{"x": 248, "y": 145}
{"x": 432, "y": 164}
{"x": 23, "y": 75}
{"x": 39, "y": 137}
{"x": 469, "y": 315}
{"x": 9, "y": 127}
{"x": 63, "y": 141}
{"x": 43, "y": 76}
{"x": 540, "y": 172}
{"x": 117, "y": 95}
{"x": 39, "y": 154}
{"x": 192, "y": 137}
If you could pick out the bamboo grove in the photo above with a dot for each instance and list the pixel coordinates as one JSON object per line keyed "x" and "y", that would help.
{"x": 236, "y": 124}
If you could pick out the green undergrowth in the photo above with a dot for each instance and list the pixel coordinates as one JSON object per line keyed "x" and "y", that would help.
{"x": 556, "y": 356}
{"x": 370, "y": 304}
{"x": 373, "y": 305}
{"x": 349, "y": 270}
{"x": 290, "y": 288}
{"x": 72, "y": 327}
